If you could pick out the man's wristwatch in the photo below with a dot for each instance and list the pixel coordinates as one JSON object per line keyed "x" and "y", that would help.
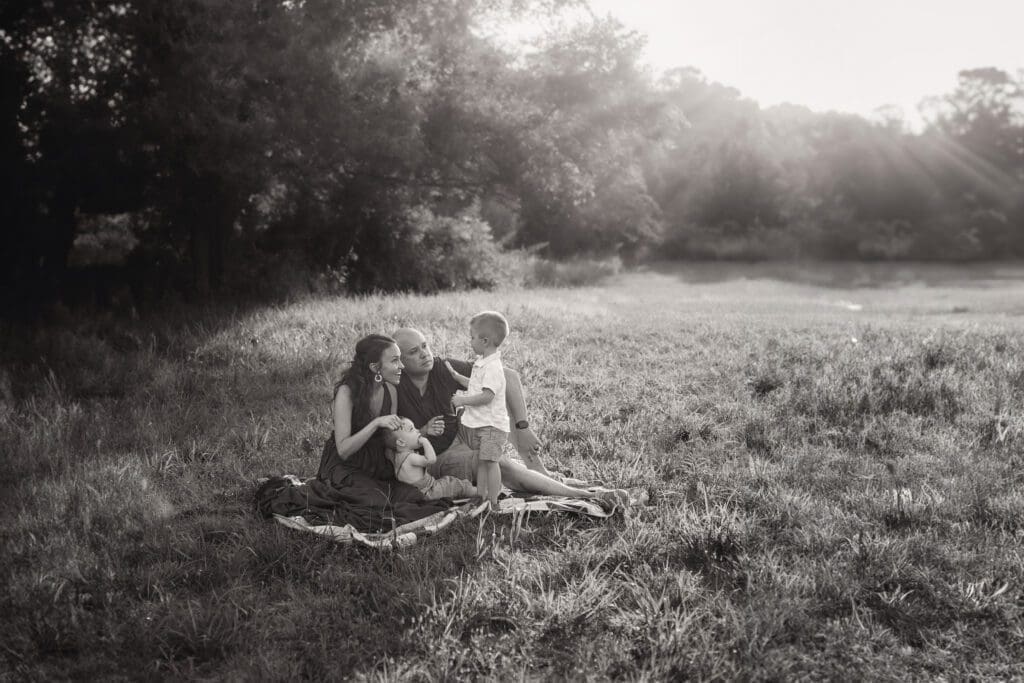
{"x": 522, "y": 424}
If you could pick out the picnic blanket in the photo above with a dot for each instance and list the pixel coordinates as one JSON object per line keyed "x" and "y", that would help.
{"x": 318, "y": 508}
{"x": 357, "y": 500}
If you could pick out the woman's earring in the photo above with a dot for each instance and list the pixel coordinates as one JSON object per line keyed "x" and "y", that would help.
{"x": 377, "y": 378}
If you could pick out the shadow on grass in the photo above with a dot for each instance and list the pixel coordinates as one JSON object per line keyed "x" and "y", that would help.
{"x": 193, "y": 598}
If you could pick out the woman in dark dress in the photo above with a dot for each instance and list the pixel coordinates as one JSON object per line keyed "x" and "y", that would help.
{"x": 364, "y": 405}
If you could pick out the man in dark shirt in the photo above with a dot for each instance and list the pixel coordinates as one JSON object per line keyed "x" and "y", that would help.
{"x": 425, "y": 396}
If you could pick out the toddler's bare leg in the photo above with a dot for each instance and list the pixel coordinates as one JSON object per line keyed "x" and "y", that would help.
{"x": 493, "y": 482}
{"x": 482, "y": 486}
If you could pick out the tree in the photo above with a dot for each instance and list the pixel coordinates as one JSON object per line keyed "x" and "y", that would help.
{"x": 975, "y": 146}
{"x": 721, "y": 176}
{"x": 66, "y": 143}
{"x": 579, "y": 139}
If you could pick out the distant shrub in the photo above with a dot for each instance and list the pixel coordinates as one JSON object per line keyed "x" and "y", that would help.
{"x": 574, "y": 273}
{"x": 428, "y": 252}
{"x": 105, "y": 239}
{"x": 968, "y": 235}
{"x": 524, "y": 268}
{"x": 420, "y": 251}
{"x": 965, "y": 235}
{"x": 884, "y": 240}
{"x": 288, "y": 276}
{"x": 732, "y": 242}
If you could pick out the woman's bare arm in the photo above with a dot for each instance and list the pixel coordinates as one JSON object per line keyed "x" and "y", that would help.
{"x": 345, "y": 441}
{"x": 525, "y": 440}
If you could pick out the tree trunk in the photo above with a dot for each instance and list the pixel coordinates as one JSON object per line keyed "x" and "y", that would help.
{"x": 56, "y": 246}
{"x": 220, "y": 233}
{"x": 211, "y": 218}
{"x": 199, "y": 243}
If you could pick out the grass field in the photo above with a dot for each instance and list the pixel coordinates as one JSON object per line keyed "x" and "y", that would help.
{"x": 835, "y": 461}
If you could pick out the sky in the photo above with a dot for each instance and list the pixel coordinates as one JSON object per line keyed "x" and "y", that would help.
{"x": 853, "y": 55}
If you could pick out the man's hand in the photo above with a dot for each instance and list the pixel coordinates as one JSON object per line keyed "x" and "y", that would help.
{"x": 434, "y": 426}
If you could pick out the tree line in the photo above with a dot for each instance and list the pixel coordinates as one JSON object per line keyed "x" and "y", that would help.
{"x": 203, "y": 145}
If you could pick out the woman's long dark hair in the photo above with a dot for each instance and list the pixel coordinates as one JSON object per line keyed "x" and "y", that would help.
{"x": 358, "y": 376}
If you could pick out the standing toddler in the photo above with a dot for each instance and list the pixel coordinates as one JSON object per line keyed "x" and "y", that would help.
{"x": 485, "y": 418}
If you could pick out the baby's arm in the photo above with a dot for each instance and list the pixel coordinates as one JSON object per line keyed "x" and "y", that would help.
{"x": 428, "y": 451}
{"x": 460, "y": 378}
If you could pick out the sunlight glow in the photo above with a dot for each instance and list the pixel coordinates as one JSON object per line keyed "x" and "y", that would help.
{"x": 826, "y": 54}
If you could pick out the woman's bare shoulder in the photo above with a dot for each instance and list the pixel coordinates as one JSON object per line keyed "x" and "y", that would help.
{"x": 343, "y": 393}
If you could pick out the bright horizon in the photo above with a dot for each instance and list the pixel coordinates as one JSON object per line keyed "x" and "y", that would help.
{"x": 829, "y": 55}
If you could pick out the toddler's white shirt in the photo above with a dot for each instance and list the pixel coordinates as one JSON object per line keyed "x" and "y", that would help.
{"x": 487, "y": 373}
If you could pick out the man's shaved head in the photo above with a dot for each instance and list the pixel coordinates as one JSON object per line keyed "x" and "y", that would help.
{"x": 417, "y": 357}
{"x": 408, "y": 336}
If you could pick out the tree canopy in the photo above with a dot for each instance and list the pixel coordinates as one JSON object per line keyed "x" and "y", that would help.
{"x": 398, "y": 144}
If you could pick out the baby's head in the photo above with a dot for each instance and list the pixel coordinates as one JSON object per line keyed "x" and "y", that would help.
{"x": 405, "y": 438}
{"x": 487, "y": 330}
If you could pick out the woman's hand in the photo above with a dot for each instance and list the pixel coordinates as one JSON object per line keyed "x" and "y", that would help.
{"x": 390, "y": 422}
{"x": 527, "y": 441}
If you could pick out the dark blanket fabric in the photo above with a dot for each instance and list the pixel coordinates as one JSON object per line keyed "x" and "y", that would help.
{"x": 357, "y": 499}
